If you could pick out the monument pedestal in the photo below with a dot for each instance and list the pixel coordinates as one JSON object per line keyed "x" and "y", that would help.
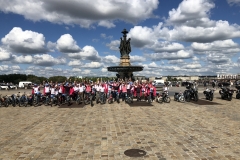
{"x": 125, "y": 61}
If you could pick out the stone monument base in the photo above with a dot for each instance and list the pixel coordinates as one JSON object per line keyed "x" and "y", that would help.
{"x": 125, "y": 61}
{"x": 125, "y": 75}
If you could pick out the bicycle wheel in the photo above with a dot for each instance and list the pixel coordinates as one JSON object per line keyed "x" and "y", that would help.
{"x": 188, "y": 98}
{"x": 78, "y": 101}
{"x": 210, "y": 97}
{"x": 109, "y": 100}
{"x": 86, "y": 101}
{"x": 149, "y": 99}
{"x": 181, "y": 98}
{"x": 46, "y": 102}
{"x": 6, "y": 103}
{"x": 52, "y": 101}
{"x": 229, "y": 97}
{"x": 238, "y": 96}
{"x": 167, "y": 99}
{"x": 196, "y": 97}
{"x": 36, "y": 102}
{"x": 118, "y": 101}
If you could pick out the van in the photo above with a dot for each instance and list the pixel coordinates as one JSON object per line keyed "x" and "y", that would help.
{"x": 22, "y": 84}
{"x": 158, "y": 81}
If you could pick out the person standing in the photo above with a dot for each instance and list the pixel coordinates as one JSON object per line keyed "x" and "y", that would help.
{"x": 124, "y": 91}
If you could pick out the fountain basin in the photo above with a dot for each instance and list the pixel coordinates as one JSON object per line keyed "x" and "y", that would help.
{"x": 125, "y": 68}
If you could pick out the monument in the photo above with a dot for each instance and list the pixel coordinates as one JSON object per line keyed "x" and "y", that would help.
{"x": 125, "y": 69}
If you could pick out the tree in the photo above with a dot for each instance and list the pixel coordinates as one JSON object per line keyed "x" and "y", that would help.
{"x": 59, "y": 79}
{"x": 169, "y": 78}
{"x": 175, "y": 79}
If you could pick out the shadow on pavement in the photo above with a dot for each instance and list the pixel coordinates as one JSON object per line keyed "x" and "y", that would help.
{"x": 72, "y": 105}
{"x": 140, "y": 104}
{"x": 205, "y": 102}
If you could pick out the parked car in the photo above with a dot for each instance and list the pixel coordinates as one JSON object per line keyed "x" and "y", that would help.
{"x": 12, "y": 86}
{"x": 175, "y": 84}
{"x": 4, "y": 86}
{"x": 159, "y": 84}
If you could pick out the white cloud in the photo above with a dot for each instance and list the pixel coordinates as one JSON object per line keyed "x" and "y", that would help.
{"x": 87, "y": 53}
{"x": 76, "y": 70}
{"x": 190, "y": 11}
{"x": 233, "y": 2}
{"x": 107, "y": 24}
{"x": 75, "y": 63}
{"x": 192, "y": 24}
{"x": 114, "y": 45}
{"x": 15, "y": 67}
{"x": 170, "y": 56}
{"x": 225, "y": 46}
{"x": 103, "y": 35}
{"x": 51, "y": 46}
{"x": 93, "y": 65}
{"x": 86, "y": 72}
{"x": 218, "y": 59}
{"x": 195, "y": 58}
{"x": 67, "y": 44}
{"x": 193, "y": 65}
{"x": 177, "y": 61}
{"x": 23, "y": 59}
{"x": 221, "y": 31}
{"x": 104, "y": 70}
{"x": 84, "y": 13}
{"x": 153, "y": 65}
{"x": 6, "y": 69}
{"x": 4, "y": 55}
{"x": 25, "y": 42}
{"x": 47, "y": 60}
{"x": 111, "y": 59}
{"x": 136, "y": 58}
{"x": 142, "y": 36}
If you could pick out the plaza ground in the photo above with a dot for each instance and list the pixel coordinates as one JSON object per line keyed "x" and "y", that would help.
{"x": 165, "y": 131}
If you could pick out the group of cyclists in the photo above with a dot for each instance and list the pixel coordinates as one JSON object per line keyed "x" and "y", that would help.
{"x": 104, "y": 90}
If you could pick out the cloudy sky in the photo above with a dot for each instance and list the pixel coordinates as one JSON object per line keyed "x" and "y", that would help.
{"x": 81, "y": 38}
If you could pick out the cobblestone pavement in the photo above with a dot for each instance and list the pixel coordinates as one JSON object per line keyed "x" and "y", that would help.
{"x": 165, "y": 131}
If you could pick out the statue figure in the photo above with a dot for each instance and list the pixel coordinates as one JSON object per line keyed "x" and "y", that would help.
{"x": 125, "y": 47}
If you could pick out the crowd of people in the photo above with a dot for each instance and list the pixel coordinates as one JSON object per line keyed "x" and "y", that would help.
{"x": 138, "y": 89}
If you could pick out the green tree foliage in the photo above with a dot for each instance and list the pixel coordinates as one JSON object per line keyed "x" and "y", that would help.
{"x": 59, "y": 79}
{"x": 35, "y": 79}
{"x": 175, "y": 79}
{"x": 13, "y": 78}
{"x": 169, "y": 78}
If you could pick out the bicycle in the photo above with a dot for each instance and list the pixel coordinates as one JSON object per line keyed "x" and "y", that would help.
{"x": 88, "y": 99}
{"x": 164, "y": 97}
{"x": 4, "y": 101}
{"x": 79, "y": 98}
{"x": 128, "y": 98}
{"x": 23, "y": 100}
{"x": 47, "y": 100}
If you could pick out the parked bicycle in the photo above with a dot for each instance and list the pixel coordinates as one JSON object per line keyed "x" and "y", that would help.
{"x": 178, "y": 96}
{"x": 3, "y": 101}
{"x": 88, "y": 98}
{"x": 79, "y": 99}
{"x": 128, "y": 98}
{"x": 164, "y": 97}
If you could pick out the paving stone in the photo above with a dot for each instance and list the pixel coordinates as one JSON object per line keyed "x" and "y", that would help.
{"x": 165, "y": 131}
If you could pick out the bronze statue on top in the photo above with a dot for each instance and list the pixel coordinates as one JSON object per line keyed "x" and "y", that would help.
{"x": 125, "y": 69}
{"x": 125, "y": 47}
